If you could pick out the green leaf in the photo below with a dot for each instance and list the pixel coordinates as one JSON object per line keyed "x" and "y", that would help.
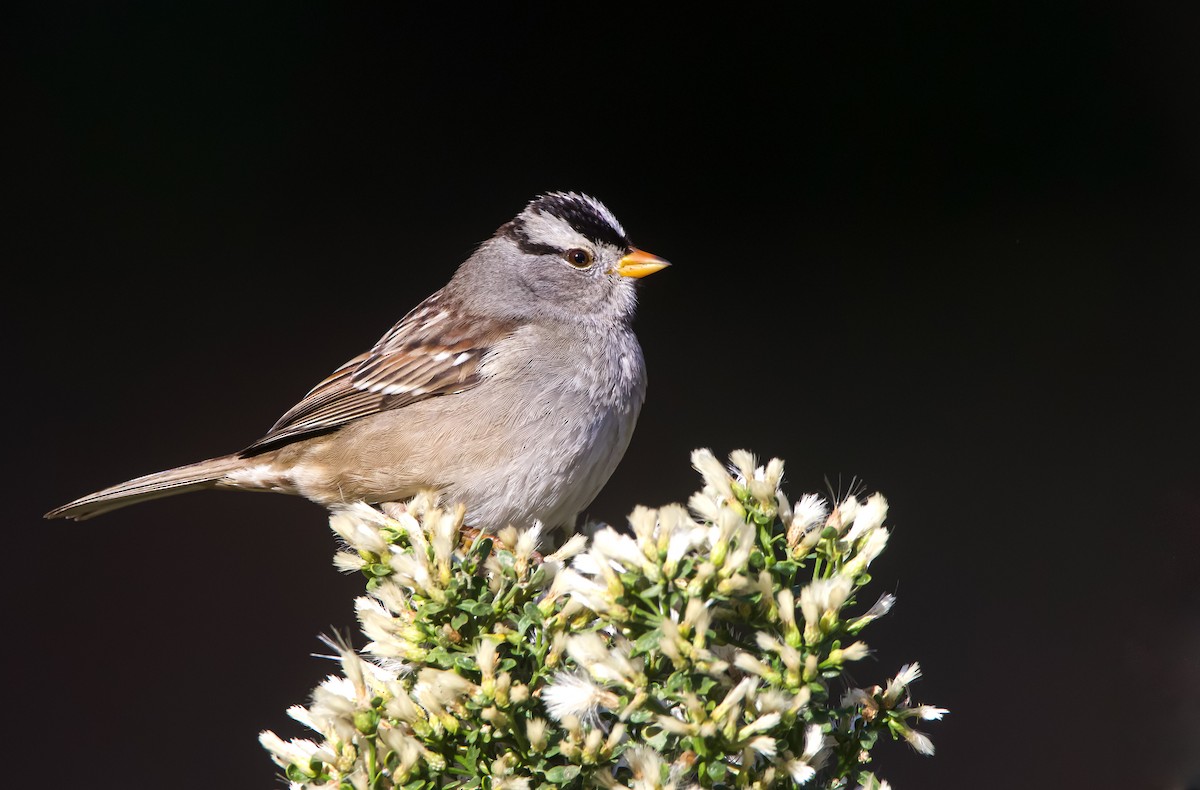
{"x": 715, "y": 771}
{"x": 658, "y": 741}
{"x": 478, "y": 608}
{"x": 378, "y": 569}
{"x": 532, "y": 612}
{"x": 538, "y": 578}
{"x": 786, "y": 568}
{"x": 647, "y": 642}
{"x": 561, "y": 774}
{"x": 297, "y": 774}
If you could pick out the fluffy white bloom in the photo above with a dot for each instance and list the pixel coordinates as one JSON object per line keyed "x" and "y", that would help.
{"x": 800, "y": 771}
{"x": 868, "y": 517}
{"x": 358, "y": 524}
{"x": 575, "y": 544}
{"x": 843, "y": 514}
{"x": 875, "y": 542}
{"x": 879, "y": 609}
{"x": 730, "y": 706}
{"x": 297, "y": 751}
{"x": 762, "y": 481}
{"x": 764, "y": 745}
{"x": 587, "y": 592}
{"x": 348, "y": 562}
{"x": 611, "y": 545}
{"x": 714, "y": 473}
{"x": 804, "y": 767}
{"x": 929, "y": 713}
{"x": 919, "y": 741}
{"x": 810, "y": 511}
{"x": 528, "y": 542}
{"x": 570, "y": 694}
{"x": 704, "y": 506}
{"x": 895, "y": 687}
{"x": 646, "y": 764}
{"x": 485, "y": 657}
{"x": 535, "y": 731}
{"x": 855, "y": 652}
{"x": 443, "y": 534}
{"x": 786, "y": 602}
{"x": 761, "y": 724}
{"x": 607, "y": 665}
{"x": 820, "y": 597}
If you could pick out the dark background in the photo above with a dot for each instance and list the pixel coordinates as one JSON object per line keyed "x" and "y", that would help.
{"x": 940, "y": 250}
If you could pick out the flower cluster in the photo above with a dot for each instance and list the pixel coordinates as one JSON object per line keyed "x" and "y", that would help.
{"x": 704, "y": 647}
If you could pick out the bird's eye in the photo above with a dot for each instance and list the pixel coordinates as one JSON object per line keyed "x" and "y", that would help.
{"x": 579, "y": 258}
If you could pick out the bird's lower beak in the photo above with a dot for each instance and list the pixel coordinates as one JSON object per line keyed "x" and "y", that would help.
{"x": 639, "y": 263}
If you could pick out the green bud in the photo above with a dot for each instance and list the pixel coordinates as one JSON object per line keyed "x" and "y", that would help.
{"x": 366, "y": 721}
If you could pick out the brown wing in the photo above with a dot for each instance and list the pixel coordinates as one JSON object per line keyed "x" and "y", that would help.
{"x": 427, "y": 353}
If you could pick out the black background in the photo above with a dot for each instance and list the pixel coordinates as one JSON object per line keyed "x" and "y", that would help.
{"x": 939, "y": 250}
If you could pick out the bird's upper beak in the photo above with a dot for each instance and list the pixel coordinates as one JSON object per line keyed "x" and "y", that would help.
{"x": 639, "y": 263}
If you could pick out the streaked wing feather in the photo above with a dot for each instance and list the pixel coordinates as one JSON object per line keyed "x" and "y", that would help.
{"x": 422, "y": 356}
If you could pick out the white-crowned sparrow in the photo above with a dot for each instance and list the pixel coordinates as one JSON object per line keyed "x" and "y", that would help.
{"x": 514, "y": 389}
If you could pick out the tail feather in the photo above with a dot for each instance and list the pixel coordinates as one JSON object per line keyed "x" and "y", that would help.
{"x": 170, "y": 482}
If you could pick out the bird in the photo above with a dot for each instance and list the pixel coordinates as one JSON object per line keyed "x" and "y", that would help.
{"x": 513, "y": 390}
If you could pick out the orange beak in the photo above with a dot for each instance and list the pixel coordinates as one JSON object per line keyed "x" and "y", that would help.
{"x": 639, "y": 263}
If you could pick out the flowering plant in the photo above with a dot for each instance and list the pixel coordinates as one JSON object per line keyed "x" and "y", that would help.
{"x": 705, "y": 648}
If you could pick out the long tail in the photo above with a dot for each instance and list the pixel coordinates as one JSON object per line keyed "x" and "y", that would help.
{"x": 170, "y": 482}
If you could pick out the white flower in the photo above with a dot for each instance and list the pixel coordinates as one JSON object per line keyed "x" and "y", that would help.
{"x": 358, "y": 524}
{"x": 299, "y": 752}
{"x": 570, "y": 694}
{"x": 821, "y": 597}
{"x": 704, "y": 506}
{"x": 868, "y": 517}
{"x": 714, "y": 473}
{"x": 412, "y": 570}
{"x": 348, "y": 562}
{"x": 602, "y": 663}
{"x": 786, "y": 601}
{"x": 871, "y": 549}
{"x": 485, "y": 657}
{"x": 804, "y": 767}
{"x": 575, "y": 544}
{"x": 764, "y": 745}
{"x": 646, "y": 764}
{"x": 528, "y": 542}
{"x": 843, "y": 515}
{"x": 535, "y": 731}
{"x": 732, "y": 704}
{"x": 588, "y": 593}
{"x": 443, "y": 685}
{"x": 879, "y": 609}
{"x": 737, "y": 559}
{"x": 611, "y": 545}
{"x": 800, "y": 771}
{"x": 762, "y": 482}
{"x": 443, "y": 534}
{"x": 407, "y": 748}
{"x": 895, "y": 687}
{"x": 810, "y": 511}
{"x": 761, "y": 724}
{"x": 751, "y": 664}
{"x": 929, "y": 713}
{"x": 919, "y": 741}
{"x": 855, "y": 652}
